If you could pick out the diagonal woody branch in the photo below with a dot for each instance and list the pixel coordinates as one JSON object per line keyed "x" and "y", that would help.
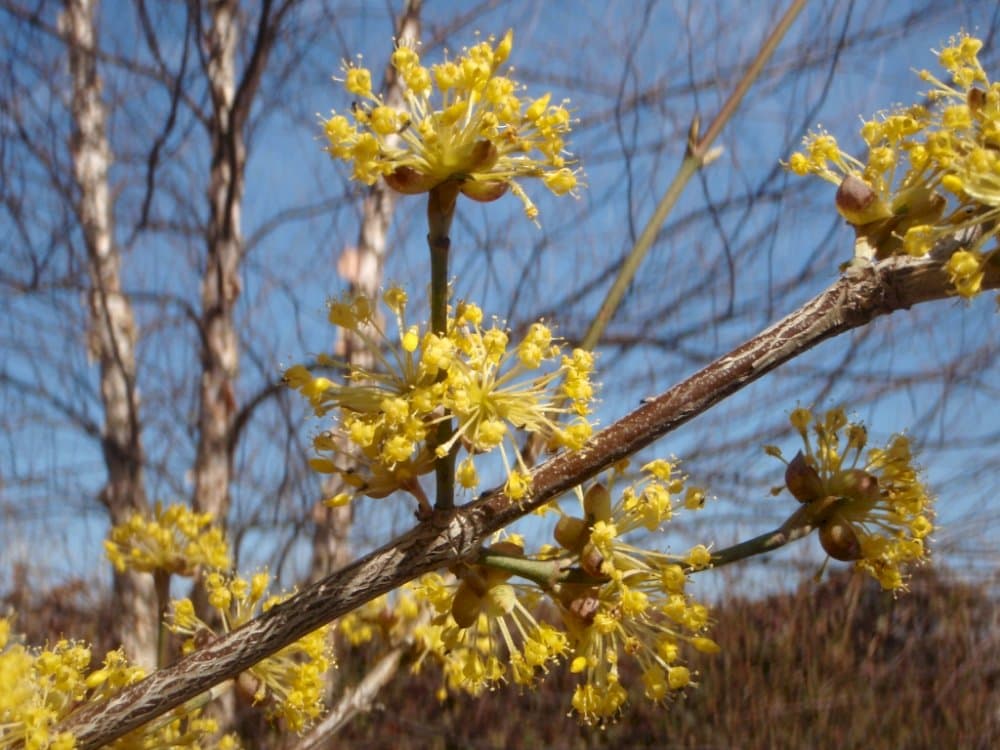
{"x": 854, "y": 300}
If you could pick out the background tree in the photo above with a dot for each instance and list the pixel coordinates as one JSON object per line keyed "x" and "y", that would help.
{"x": 227, "y": 279}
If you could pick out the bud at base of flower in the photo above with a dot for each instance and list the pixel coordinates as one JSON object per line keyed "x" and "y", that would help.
{"x": 466, "y": 605}
{"x": 592, "y": 561}
{"x": 408, "y": 181}
{"x": 484, "y": 191}
{"x": 839, "y": 540}
{"x": 858, "y": 203}
{"x": 856, "y": 485}
{"x": 597, "y": 504}
{"x": 571, "y": 533}
{"x": 802, "y": 480}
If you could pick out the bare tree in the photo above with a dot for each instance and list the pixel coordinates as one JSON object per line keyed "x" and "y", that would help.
{"x": 112, "y": 332}
{"x": 208, "y": 258}
{"x": 363, "y": 267}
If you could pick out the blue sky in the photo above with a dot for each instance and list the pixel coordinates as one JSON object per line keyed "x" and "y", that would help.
{"x": 728, "y": 262}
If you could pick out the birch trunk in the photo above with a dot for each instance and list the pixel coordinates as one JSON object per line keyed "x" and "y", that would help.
{"x": 220, "y": 285}
{"x": 111, "y": 327}
{"x": 363, "y": 267}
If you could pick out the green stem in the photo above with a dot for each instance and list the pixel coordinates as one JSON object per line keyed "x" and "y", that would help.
{"x": 161, "y": 584}
{"x": 697, "y": 155}
{"x": 545, "y": 573}
{"x": 800, "y": 524}
{"x": 440, "y": 212}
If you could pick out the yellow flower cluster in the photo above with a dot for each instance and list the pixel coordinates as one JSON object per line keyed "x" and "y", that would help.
{"x": 389, "y": 619}
{"x": 481, "y": 135}
{"x": 932, "y": 172}
{"x": 619, "y": 602}
{"x": 42, "y": 686}
{"x": 484, "y": 630}
{"x": 293, "y": 681}
{"x": 472, "y": 375}
{"x": 877, "y": 511}
{"x": 175, "y": 540}
{"x": 637, "y": 607}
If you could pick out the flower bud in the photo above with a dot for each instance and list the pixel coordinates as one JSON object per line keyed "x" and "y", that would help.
{"x": 591, "y": 560}
{"x": 506, "y": 547}
{"x": 571, "y": 533}
{"x": 856, "y": 484}
{"x": 408, "y": 181}
{"x": 597, "y": 504}
{"x": 802, "y": 480}
{"x": 705, "y": 645}
{"x": 466, "y": 605}
{"x": 484, "y": 191}
{"x": 858, "y": 203}
{"x": 483, "y": 156}
{"x": 840, "y": 540}
{"x": 976, "y": 99}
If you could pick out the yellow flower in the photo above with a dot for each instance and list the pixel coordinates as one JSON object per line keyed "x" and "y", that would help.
{"x": 472, "y": 374}
{"x": 932, "y": 172}
{"x": 484, "y": 630}
{"x": 176, "y": 540}
{"x": 636, "y": 606}
{"x": 42, "y": 686}
{"x": 292, "y": 681}
{"x": 881, "y": 512}
{"x": 479, "y": 133}
{"x": 965, "y": 269}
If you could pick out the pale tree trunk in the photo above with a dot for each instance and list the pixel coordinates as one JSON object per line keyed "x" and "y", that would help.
{"x": 231, "y": 99}
{"x": 363, "y": 268}
{"x": 220, "y": 285}
{"x": 111, "y": 328}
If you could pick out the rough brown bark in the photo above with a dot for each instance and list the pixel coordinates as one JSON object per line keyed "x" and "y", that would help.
{"x": 111, "y": 327}
{"x": 220, "y": 285}
{"x": 854, "y": 300}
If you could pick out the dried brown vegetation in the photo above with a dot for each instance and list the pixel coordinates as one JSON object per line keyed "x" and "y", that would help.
{"x": 835, "y": 665}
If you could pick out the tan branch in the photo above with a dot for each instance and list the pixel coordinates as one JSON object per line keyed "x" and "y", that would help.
{"x": 355, "y": 700}
{"x": 852, "y": 301}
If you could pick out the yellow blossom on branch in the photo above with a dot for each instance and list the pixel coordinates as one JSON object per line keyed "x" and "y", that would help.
{"x": 292, "y": 681}
{"x": 40, "y": 687}
{"x": 175, "y": 540}
{"x": 463, "y": 122}
{"x": 877, "y": 512}
{"x": 484, "y": 630}
{"x": 637, "y": 607}
{"x": 590, "y": 602}
{"x": 496, "y": 391}
{"x": 931, "y": 179}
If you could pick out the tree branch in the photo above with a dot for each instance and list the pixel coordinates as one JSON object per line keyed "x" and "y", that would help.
{"x": 854, "y": 300}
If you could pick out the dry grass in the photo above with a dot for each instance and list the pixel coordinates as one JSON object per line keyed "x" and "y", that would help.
{"x": 834, "y": 665}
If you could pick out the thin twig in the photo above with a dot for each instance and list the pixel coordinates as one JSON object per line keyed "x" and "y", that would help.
{"x": 854, "y": 300}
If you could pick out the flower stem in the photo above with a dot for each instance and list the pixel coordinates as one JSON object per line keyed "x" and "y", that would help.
{"x": 440, "y": 212}
{"x": 161, "y": 583}
{"x": 800, "y": 524}
{"x": 543, "y": 572}
{"x": 698, "y": 154}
